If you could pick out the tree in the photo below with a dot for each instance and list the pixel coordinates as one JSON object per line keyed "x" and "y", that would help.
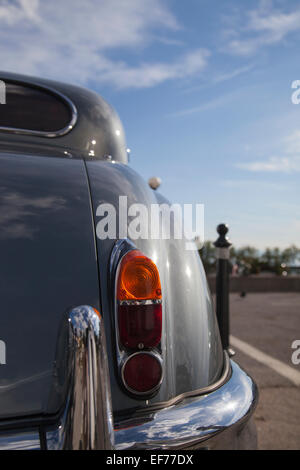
{"x": 275, "y": 260}
{"x": 250, "y": 260}
{"x": 246, "y": 257}
{"x": 291, "y": 255}
{"x": 208, "y": 256}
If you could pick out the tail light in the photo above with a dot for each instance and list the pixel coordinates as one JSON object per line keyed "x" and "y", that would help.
{"x": 139, "y": 325}
{"x": 139, "y": 302}
{"x": 138, "y": 278}
{"x": 142, "y": 372}
{"x": 139, "y": 317}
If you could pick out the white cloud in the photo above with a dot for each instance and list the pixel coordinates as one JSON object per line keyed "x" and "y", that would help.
{"x": 212, "y": 104}
{"x": 293, "y": 143}
{"x": 264, "y": 26}
{"x": 234, "y": 73}
{"x": 254, "y": 184}
{"x": 281, "y": 164}
{"x": 12, "y": 12}
{"x": 146, "y": 75}
{"x": 72, "y": 40}
{"x": 290, "y": 162}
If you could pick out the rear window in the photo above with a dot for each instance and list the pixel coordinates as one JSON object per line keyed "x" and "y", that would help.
{"x": 33, "y": 109}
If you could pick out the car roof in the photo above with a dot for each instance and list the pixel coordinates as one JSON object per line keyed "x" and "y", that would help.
{"x": 96, "y": 131}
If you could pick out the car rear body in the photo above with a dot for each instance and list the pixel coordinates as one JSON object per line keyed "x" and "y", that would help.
{"x": 53, "y": 263}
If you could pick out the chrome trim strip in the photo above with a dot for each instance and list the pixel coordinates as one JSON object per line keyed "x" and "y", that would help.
{"x": 22, "y": 440}
{"x": 59, "y": 132}
{"x": 87, "y": 421}
{"x": 120, "y": 249}
{"x": 194, "y": 420}
{"x": 139, "y": 302}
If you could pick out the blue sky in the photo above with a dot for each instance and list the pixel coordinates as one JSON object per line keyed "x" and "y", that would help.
{"x": 203, "y": 88}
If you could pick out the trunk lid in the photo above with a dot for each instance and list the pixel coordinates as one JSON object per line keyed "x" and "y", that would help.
{"x": 47, "y": 265}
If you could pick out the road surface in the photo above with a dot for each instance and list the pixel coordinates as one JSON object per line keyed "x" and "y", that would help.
{"x": 264, "y": 326}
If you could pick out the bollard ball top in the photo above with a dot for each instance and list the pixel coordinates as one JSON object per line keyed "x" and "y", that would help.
{"x": 222, "y": 229}
{"x": 222, "y": 241}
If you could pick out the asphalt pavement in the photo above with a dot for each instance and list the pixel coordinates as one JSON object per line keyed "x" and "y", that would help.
{"x": 269, "y": 323}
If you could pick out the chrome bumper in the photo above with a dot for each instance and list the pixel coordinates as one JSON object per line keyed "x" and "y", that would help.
{"x": 211, "y": 420}
{"x": 87, "y": 422}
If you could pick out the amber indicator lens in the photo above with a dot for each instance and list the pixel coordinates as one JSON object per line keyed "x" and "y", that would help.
{"x": 142, "y": 373}
{"x": 138, "y": 278}
{"x": 140, "y": 325}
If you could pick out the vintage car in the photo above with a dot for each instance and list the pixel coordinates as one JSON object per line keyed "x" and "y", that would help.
{"x": 105, "y": 343}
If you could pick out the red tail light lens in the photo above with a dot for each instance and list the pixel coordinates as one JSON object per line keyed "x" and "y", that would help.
{"x": 142, "y": 373}
{"x": 140, "y": 325}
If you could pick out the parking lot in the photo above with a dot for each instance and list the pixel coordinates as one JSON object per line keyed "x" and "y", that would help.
{"x": 269, "y": 323}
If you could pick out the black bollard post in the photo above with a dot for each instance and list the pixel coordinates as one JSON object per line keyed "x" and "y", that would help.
{"x": 223, "y": 245}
